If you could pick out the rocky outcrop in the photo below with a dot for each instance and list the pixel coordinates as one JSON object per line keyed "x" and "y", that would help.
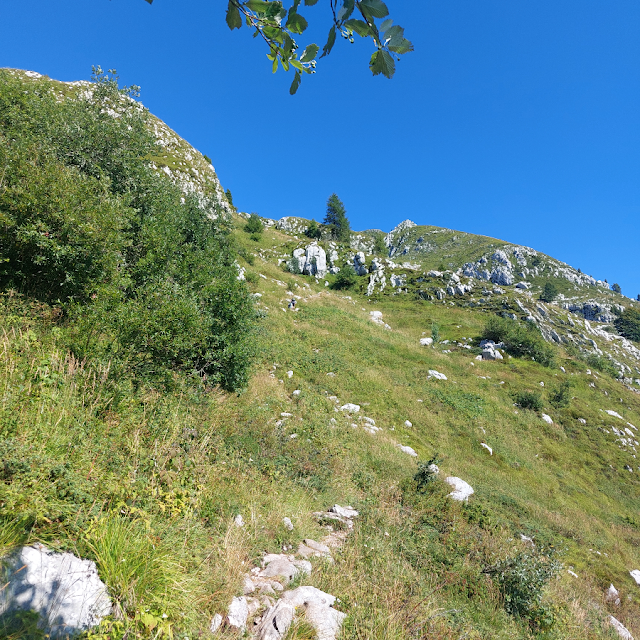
{"x": 312, "y": 261}
{"x": 461, "y": 489}
{"x": 63, "y": 589}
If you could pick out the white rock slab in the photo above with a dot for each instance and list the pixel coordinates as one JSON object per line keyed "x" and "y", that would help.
{"x": 63, "y": 589}
{"x": 238, "y": 613}
{"x": 461, "y": 489}
{"x": 615, "y": 414}
{"x": 436, "y": 374}
{"x": 426, "y": 342}
{"x": 623, "y": 632}
{"x": 635, "y": 574}
{"x": 547, "y": 418}
{"x": 344, "y": 512}
{"x": 487, "y": 447}
{"x": 350, "y": 407}
{"x": 407, "y": 450}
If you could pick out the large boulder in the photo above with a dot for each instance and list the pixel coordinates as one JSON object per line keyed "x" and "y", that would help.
{"x": 316, "y": 260}
{"x": 63, "y": 589}
{"x": 359, "y": 264}
{"x": 461, "y": 489}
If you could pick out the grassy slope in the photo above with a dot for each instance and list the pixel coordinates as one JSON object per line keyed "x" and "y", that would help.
{"x": 180, "y": 463}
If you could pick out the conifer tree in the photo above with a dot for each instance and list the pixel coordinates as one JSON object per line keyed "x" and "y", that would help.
{"x": 336, "y": 219}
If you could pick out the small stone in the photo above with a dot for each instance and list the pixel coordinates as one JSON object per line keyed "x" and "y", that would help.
{"x": 436, "y": 374}
{"x": 623, "y": 632}
{"x": 296, "y": 392}
{"x": 635, "y": 574}
{"x": 344, "y": 512}
{"x": 426, "y": 342}
{"x": 216, "y": 622}
{"x": 238, "y": 613}
{"x": 582, "y": 421}
{"x": 547, "y": 418}
{"x": 350, "y": 407}
{"x": 407, "y": 450}
{"x": 612, "y": 595}
{"x": 238, "y": 521}
{"x": 572, "y": 573}
{"x": 407, "y": 423}
{"x": 287, "y": 524}
{"x": 462, "y": 490}
{"x": 289, "y": 374}
{"x": 487, "y": 447}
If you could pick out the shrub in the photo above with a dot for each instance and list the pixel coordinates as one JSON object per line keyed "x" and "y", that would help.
{"x": 427, "y": 473}
{"x": 529, "y": 400}
{"x": 313, "y": 230}
{"x": 346, "y": 278}
{"x": 549, "y": 293}
{"x": 435, "y": 332}
{"x": 293, "y": 266}
{"x": 520, "y": 340}
{"x": 379, "y": 245}
{"x": 146, "y": 275}
{"x": 521, "y": 580}
{"x": 616, "y": 287}
{"x": 254, "y": 225}
{"x": 336, "y": 219}
{"x": 560, "y": 396}
{"x": 628, "y": 324}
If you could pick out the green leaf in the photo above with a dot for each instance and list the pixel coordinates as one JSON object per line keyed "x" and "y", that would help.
{"x": 151, "y": 1}
{"x": 331, "y": 40}
{"x": 386, "y": 25}
{"x": 259, "y": 6}
{"x": 296, "y": 64}
{"x": 346, "y": 10}
{"x": 400, "y": 45}
{"x": 310, "y": 3}
{"x": 309, "y": 53}
{"x": 376, "y": 8}
{"x": 234, "y": 21}
{"x": 358, "y": 26}
{"x": 382, "y": 63}
{"x": 296, "y": 23}
{"x": 296, "y": 83}
{"x": 274, "y": 66}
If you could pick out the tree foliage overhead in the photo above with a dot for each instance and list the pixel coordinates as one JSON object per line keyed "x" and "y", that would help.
{"x": 279, "y": 23}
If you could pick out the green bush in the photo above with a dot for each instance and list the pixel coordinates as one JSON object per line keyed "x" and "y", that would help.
{"x": 147, "y": 277}
{"x": 549, "y": 292}
{"x": 628, "y": 324}
{"x": 313, "y": 230}
{"x": 560, "y": 396}
{"x": 435, "y": 332}
{"x": 379, "y": 245}
{"x": 520, "y": 340}
{"x": 521, "y": 580}
{"x": 346, "y": 278}
{"x": 427, "y": 473}
{"x": 254, "y": 225}
{"x": 529, "y": 400}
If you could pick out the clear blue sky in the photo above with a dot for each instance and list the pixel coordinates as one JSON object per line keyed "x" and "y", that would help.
{"x": 518, "y": 120}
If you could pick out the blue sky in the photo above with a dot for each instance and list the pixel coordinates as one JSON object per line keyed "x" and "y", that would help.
{"x": 517, "y": 120}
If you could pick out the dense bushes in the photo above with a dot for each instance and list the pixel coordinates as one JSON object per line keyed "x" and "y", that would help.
{"x": 519, "y": 340}
{"x": 146, "y": 277}
{"x": 628, "y": 324}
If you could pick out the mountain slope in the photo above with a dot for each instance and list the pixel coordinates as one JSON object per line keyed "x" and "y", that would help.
{"x": 147, "y": 475}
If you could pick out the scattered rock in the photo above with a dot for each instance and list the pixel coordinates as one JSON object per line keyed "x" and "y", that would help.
{"x": 350, "y": 407}
{"x": 289, "y": 374}
{"x": 461, "y": 489}
{"x": 487, "y": 447}
{"x": 344, "y": 512}
{"x": 63, "y": 589}
{"x": 408, "y": 423}
{"x": 572, "y": 573}
{"x": 238, "y": 521}
{"x": 635, "y": 574}
{"x": 614, "y": 414}
{"x": 436, "y": 374}
{"x": 623, "y": 632}
{"x": 612, "y": 595}
{"x": 216, "y": 623}
{"x": 296, "y": 392}
{"x": 407, "y": 450}
{"x": 238, "y": 613}
{"x": 547, "y": 418}
{"x": 280, "y": 565}
{"x": 426, "y": 342}
{"x": 582, "y": 421}
{"x": 287, "y": 524}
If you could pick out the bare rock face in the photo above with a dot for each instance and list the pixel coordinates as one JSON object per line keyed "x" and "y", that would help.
{"x": 622, "y": 631}
{"x": 63, "y": 589}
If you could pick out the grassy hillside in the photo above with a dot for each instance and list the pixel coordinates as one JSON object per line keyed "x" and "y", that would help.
{"x": 145, "y": 473}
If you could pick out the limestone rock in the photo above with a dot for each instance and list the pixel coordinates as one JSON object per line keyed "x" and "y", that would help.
{"x": 287, "y": 524}
{"x": 623, "y": 632}
{"x": 426, "y": 342}
{"x": 487, "y": 447}
{"x": 612, "y": 595}
{"x": 344, "y": 512}
{"x": 238, "y": 613}
{"x": 614, "y": 414}
{"x": 407, "y": 450}
{"x": 461, "y": 489}
{"x": 63, "y": 589}
{"x": 547, "y": 418}
{"x": 635, "y": 574}
{"x": 359, "y": 264}
{"x": 350, "y": 407}
{"x": 326, "y": 621}
{"x": 216, "y": 623}
{"x": 436, "y": 374}
{"x": 280, "y": 565}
